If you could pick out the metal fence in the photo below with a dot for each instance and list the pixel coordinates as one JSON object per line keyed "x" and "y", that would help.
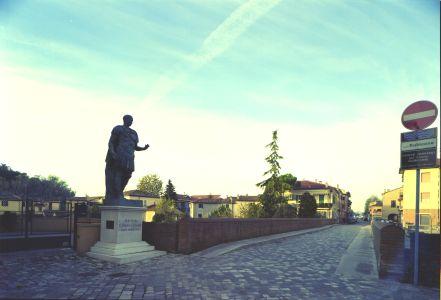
{"x": 28, "y": 224}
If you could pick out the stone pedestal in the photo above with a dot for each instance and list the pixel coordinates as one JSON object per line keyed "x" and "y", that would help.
{"x": 121, "y": 236}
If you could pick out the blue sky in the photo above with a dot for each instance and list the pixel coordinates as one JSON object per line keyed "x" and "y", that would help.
{"x": 300, "y": 63}
{"x": 346, "y": 54}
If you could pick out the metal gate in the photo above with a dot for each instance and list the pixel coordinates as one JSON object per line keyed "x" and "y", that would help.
{"x": 32, "y": 224}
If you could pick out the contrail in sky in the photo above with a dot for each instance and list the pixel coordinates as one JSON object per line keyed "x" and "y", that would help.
{"x": 215, "y": 44}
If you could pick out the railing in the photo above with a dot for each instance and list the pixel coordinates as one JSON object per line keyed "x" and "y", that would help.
{"x": 21, "y": 228}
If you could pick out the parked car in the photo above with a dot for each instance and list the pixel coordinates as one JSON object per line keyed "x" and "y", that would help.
{"x": 352, "y": 220}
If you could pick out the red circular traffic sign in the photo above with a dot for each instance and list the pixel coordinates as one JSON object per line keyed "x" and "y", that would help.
{"x": 419, "y": 115}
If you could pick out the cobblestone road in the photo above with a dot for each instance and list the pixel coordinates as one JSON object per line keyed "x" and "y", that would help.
{"x": 301, "y": 267}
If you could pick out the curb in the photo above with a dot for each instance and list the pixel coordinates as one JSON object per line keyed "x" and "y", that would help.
{"x": 222, "y": 249}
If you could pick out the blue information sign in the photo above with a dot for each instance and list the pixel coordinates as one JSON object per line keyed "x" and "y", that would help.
{"x": 418, "y": 149}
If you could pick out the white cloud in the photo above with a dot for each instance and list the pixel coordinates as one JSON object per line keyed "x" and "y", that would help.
{"x": 217, "y": 42}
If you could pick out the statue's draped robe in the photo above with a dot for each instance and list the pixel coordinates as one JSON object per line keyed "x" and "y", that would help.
{"x": 124, "y": 141}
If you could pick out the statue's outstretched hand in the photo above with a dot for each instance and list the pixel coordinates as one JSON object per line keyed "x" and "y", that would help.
{"x": 146, "y": 146}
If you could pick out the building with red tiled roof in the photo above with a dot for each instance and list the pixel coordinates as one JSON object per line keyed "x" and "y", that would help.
{"x": 332, "y": 202}
{"x": 201, "y": 206}
{"x": 242, "y": 202}
{"x": 247, "y": 198}
{"x": 148, "y": 199}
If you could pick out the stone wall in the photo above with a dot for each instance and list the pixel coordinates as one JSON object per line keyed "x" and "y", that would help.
{"x": 192, "y": 235}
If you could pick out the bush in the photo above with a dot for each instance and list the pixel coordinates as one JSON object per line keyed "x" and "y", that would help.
{"x": 222, "y": 212}
{"x": 252, "y": 210}
{"x": 285, "y": 211}
{"x": 166, "y": 212}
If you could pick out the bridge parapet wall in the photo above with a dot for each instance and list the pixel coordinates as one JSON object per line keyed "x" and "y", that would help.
{"x": 191, "y": 235}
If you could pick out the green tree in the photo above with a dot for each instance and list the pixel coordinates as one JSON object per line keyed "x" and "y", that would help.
{"x": 170, "y": 193}
{"x": 150, "y": 184}
{"x": 275, "y": 185}
{"x": 252, "y": 210}
{"x": 285, "y": 210}
{"x": 166, "y": 212}
{"x": 37, "y": 187}
{"x": 288, "y": 182}
{"x": 222, "y": 211}
{"x": 307, "y": 206}
{"x": 368, "y": 201}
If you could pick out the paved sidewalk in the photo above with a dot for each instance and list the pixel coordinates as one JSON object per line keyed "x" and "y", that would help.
{"x": 236, "y": 245}
{"x": 359, "y": 261}
{"x": 296, "y": 267}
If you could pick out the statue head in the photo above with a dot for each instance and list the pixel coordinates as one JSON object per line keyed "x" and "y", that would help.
{"x": 128, "y": 120}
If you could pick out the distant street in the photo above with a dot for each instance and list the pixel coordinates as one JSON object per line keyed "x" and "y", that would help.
{"x": 301, "y": 267}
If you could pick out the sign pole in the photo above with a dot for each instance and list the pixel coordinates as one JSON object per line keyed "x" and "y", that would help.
{"x": 417, "y": 229}
{"x": 418, "y": 150}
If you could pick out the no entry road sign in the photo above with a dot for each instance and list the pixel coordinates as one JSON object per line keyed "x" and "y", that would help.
{"x": 419, "y": 115}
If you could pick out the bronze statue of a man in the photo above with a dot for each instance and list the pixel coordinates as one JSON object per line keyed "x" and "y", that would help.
{"x": 120, "y": 162}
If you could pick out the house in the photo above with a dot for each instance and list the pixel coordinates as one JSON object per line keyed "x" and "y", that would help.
{"x": 345, "y": 203}
{"x": 150, "y": 213}
{"x": 147, "y": 199}
{"x": 46, "y": 208}
{"x": 332, "y": 202}
{"x": 391, "y": 200}
{"x": 241, "y": 202}
{"x": 429, "y": 199}
{"x": 98, "y": 200}
{"x": 375, "y": 210}
{"x": 201, "y": 206}
{"x": 52, "y": 207}
{"x": 10, "y": 202}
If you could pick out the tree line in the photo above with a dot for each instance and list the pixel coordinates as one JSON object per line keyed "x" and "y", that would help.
{"x": 35, "y": 187}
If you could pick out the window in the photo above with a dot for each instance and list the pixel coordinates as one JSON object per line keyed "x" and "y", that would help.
{"x": 425, "y": 177}
{"x": 424, "y": 220}
{"x": 201, "y": 205}
{"x": 393, "y": 203}
{"x": 425, "y": 196}
{"x": 199, "y": 215}
{"x": 5, "y": 203}
{"x": 321, "y": 198}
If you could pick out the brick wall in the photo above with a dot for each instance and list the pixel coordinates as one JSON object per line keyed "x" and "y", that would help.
{"x": 87, "y": 235}
{"x": 192, "y": 235}
{"x": 161, "y": 235}
{"x": 388, "y": 244}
